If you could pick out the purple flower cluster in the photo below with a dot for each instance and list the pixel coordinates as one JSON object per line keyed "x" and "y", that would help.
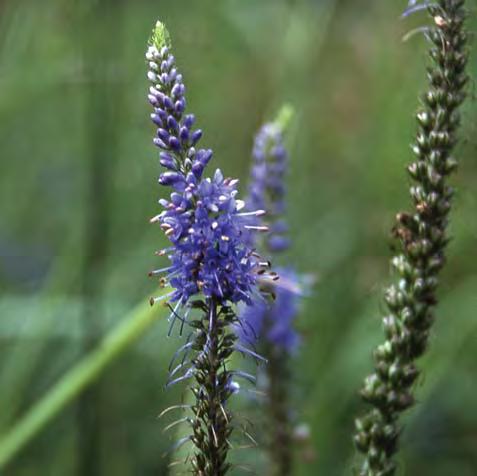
{"x": 267, "y": 188}
{"x": 202, "y": 217}
{"x": 272, "y": 320}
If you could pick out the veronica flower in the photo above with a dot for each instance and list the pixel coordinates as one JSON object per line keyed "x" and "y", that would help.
{"x": 267, "y": 191}
{"x": 422, "y": 239}
{"x": 270, "y": 324}
{"x": 267, "y": 187}
{"x": 210, "y": 265}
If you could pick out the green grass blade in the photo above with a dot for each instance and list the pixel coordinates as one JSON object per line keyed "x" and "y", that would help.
{"x": 83, "y": 374}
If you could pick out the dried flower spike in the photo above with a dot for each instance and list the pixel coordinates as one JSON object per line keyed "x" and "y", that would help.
{"x": 422, "y": 239}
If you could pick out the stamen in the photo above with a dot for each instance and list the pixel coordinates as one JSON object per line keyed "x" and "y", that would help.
{"x": 256, "y": 213}
{"x": 154, "y": 300}
{"x": 164, "y": 251}
{"x": 156, "y": 272}
{"x": 257, "y": 228}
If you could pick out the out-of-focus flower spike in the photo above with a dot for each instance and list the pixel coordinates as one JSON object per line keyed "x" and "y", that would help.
{"x": 285, "y": 117}
{"x": 267, "y": 184}
{"x": 269, "y": 324}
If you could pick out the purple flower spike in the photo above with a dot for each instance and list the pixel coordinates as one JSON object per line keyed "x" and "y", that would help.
{"x": 210, "y": 264}
{"x": 202, "y": 219}
{"x": 267, "y": 188}
{"x": 271, "y": 321}
{"x": 268, "y": 325}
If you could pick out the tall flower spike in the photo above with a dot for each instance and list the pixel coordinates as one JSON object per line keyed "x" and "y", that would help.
{"x": 267, "y": 191}
{"x": 210, "y": 264}
{"x": 269, "y": 325}
{"x": 267, "y": 188}
{"x": 422, "y": 239}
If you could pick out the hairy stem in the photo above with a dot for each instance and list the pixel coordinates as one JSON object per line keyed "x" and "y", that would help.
{"x": 421, "y": 236}
{"x": 212, "y": 421}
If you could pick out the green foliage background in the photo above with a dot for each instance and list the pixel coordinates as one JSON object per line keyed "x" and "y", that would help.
{"x": 78, "y": 184}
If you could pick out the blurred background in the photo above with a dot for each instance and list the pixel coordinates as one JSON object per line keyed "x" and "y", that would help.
{"x": 78, "y": 183}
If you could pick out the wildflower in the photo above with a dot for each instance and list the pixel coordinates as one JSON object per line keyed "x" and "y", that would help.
{"x": 421, "y": 236}
{"x": 202, "y": 217}
{"x": 270, "y": 324}
{"x": 267, "y": 190}
{"x": 267, "y": 187}
{"x": 210, "y": 264}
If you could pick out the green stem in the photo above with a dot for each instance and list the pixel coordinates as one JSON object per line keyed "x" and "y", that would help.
{"x": 281, "y": 444}
{"x": 79, "y": 378}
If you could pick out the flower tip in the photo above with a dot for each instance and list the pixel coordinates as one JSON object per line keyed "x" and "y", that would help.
{"x": 160, "y": 37}
{"x": 285, "y": 116}
{"x": 151, "y": 301}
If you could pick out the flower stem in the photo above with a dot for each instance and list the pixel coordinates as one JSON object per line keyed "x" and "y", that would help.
{"x": 211, "y": 424}
{"x": 281, "y": 444}
{"x": 421, "y": 236}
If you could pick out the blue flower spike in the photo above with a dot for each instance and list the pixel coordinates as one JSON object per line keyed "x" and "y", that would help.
{"x": 211, "y": 265}
{"x": 269, "y": 324}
